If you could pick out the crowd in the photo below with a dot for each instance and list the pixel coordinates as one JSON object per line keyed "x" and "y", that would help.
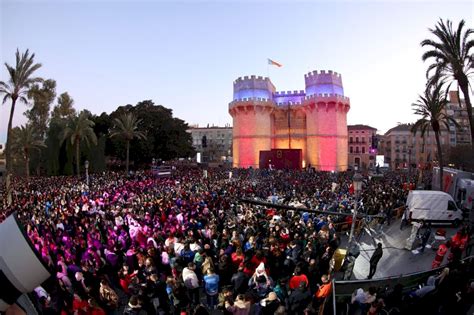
{"x": 186, "y": 244}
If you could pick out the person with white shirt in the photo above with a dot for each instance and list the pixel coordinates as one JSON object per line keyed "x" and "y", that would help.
{"x": 191, "y": 282}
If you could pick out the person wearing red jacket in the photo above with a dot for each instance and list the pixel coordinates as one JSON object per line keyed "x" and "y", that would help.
{"x": 456, "y": 244}
{"x": 237, "y": 257}
{"x": 94, "y": 308}
{"x": 442, "y": 250}
{"x": 297, "y": 278}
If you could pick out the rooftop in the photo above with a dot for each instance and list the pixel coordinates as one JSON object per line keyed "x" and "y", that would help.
{"x": 400, "y": 127}
{"x": 360, "y": 126}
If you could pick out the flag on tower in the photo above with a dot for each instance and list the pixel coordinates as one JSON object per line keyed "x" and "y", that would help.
{"x": 274, "y": 63}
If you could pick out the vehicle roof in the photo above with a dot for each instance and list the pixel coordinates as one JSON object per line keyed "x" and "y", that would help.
{"x": 429, "y": 192}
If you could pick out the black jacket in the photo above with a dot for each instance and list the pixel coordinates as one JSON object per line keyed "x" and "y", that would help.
{"x": 298, "y": 301}
{"x": 376, "y": 256}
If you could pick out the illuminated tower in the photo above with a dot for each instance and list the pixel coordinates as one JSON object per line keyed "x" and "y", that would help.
{"x": 326, "y": 121}
{"x": 313, "y": 120}
{"x": 251, "y": 111}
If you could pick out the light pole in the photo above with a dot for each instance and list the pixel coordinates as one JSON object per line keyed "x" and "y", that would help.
{"x": 352, "y": 250}
{"x": 86, "y": 165}
{"x": 357, "y": 184}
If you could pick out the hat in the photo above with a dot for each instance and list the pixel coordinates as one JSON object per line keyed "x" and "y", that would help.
{"x": 260, "y": 269}
{"x": 272, "y": 296}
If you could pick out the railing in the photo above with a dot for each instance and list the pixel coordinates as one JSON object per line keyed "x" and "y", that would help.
{"x": 342, "y": 290}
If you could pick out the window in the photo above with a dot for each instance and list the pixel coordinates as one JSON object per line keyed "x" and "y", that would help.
{"x": 357, "y": 139}
{"x": 363, "y": 150}
{"x": 357, "y": 149}
{"x": 350, "y": 140}
{"x": 350, "y": 150}
{"x": 451, "y": 206}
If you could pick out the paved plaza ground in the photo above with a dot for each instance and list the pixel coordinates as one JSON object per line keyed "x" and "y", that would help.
{"x": 396, "y": 260}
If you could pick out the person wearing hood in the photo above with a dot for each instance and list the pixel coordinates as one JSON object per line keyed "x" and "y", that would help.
{"x": 260, "y": 282}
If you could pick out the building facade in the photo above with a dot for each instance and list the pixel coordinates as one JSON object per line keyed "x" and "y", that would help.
{"x": 311, "y": 120}
{"x": 214, "y": 144}
{"x": 404, "y": 150}
{"x": 362, "y": 146}
{"x": 457, "y": 110}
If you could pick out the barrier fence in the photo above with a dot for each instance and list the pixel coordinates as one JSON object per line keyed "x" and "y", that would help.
{"x": 342, "y": 290}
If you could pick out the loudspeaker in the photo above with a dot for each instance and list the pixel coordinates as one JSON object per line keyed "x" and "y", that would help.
{"x": 21, "y": 266}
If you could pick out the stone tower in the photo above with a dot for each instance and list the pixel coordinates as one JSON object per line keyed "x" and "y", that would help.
{"x": 313, "y": 120}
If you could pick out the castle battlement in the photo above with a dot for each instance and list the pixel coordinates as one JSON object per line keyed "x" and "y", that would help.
{"x": 327, "y": 96}
{"x": 251, "y": 77}
{"x": 322, "y": 72}
{"x": 251, "y": 99}
{"x": 289, "y": 93}
{"x": 253, "y": 86}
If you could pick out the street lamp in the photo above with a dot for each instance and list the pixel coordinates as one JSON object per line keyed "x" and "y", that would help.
{"x": 352, "y": 250}
{"x": 357, "y": 184}
{"x": 86, "y": 165}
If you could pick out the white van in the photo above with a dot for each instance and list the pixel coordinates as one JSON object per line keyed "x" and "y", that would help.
{"x": 432, "y": 206}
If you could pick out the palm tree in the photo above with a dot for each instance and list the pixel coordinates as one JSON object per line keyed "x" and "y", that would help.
{"x": 126, "y": 127}
{"x": 432, "y": 108}
{"x": 25, "y": 139}
{"x": 20, "y": 80}
{"x": 453, "y": 58}
{"x": 79, "y": 128}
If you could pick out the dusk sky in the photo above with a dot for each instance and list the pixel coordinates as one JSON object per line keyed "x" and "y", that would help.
{"x": 185, "y": 55}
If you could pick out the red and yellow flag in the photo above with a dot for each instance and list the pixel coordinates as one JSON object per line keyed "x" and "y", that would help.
{"x": 274, "y": 63}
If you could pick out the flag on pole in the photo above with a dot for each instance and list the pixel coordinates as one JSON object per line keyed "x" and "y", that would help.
{"x": 274, "y": 63}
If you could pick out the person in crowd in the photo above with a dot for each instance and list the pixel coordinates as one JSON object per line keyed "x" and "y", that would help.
{"x": 239, "y": 281}
{"x": 299, "y": 299}
{"x": 211, "y": 285}
{"x": 297, "y": 278}
{"x": 323, "y": 290}
{"x": 239, "y": 307}
{"x": 134, "y": 307}
{"x": 108, "y": 297}
{"x": 270, "y": 304}
{"x": 191, "y": 282}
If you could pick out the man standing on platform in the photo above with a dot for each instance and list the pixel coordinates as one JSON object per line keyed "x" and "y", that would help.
{"x": 374, "y": 260}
